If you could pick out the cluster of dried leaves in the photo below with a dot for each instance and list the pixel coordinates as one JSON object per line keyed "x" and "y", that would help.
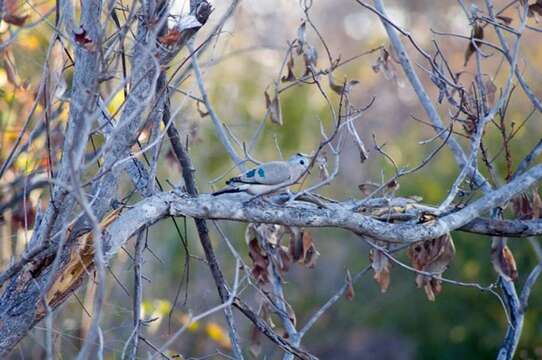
{"x": 300, "y": 48}
{"x": 477, "y": 34}
{"x": 535, "y": 9}
{"x": 272, "y": 257}
{"x": 266, "y": 249}
{"x": 385, "y": 63}
{"x": 432, "y": 257}
{"x": 526, "y": 206}
{"x": 11, "y": 13}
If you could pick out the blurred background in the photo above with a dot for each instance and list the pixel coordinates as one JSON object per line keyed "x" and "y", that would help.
{"x": 239, "y": 65}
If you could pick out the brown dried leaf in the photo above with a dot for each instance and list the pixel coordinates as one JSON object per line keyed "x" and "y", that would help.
{"x": 522, "y": 207}
{"x": 23, "y": 214}
{"x": 310, "y": 56}
{"x": 301, "y": 38}
{"x": 290, "y": 65}
{"x": 491, "y": 89}
{"x": 477, "y": 33}
{"x": 381, "y": 61}
{"x": 171, "y": 37}
{"x": 10, "y": 13}
{"x": 535, "y": 9}
{"x": 392, "y": 186}
{"x": 201, "y": 112}
{"x": 384, "y": 64}
{"x": 15, "y": 19}
{"x": 381, "y": 266}
{"x": 344, "y": 88}
{"x": 321, "y": 161}
{"x": 503, "y": 260}
{"x": 273, "y": 108}
{"x": 536, "y": 204}
{"x": 284, "y": 259}
{"x": 367, "y": 188}
{"x": 310, "y": 254}
{"x": 296, "y": 244}
{"x": 11, "y": 71}
{"x": 505, "y": 19}
{"x": 432, "y": 256}
{"x": 302, "y": 249}
{"x": 258, "y": 256}
{"x": 349, "y": 294}
{"x": 82, "y": 39}
{"x": 291, "y": 313}
{"x": 255, "y": 341}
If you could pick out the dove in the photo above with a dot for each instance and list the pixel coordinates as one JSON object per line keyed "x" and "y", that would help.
{"x": 267, "y": 176}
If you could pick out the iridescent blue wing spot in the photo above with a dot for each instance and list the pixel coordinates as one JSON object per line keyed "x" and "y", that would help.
{"x": 251, "y": 173}
{"x": 261, "y": 172}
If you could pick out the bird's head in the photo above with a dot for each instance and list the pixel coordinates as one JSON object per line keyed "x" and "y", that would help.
{"x": 300, "y": 161}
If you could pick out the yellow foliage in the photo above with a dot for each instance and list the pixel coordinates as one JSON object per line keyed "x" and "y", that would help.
{"x": 3, "y": 78}
{"x": 218, "y": 334}
{"x": 186, "y": 320}
{"x": 155, "y": 308}
{"x": 25, "y": 163}
{"x": 115, "y": 103}
{"x": 29, "y": 41}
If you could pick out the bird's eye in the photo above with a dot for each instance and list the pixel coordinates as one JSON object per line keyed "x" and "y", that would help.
{"x": 302, "y": 162}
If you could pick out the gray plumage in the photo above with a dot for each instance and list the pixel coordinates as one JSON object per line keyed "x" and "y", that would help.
{"x": 267, "y": 176}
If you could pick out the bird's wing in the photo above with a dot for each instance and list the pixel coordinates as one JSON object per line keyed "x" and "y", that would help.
{"x": 271, "y": 173}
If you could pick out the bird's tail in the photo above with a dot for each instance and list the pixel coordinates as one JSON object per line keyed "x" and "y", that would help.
{"x": 226, "y": 191}
{"x": 233, "y": 180}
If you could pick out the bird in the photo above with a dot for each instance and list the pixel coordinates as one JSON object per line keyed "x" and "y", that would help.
{"x": 267, "y": 176}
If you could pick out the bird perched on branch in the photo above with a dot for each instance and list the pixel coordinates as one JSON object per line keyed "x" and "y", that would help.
{"x": 268, "y": 176}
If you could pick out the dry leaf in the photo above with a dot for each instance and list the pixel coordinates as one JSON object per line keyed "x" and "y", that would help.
{"x": 310, "y": 56}
{"x": 15, "y": 20}
{"x": 11, "y": 71}
{"x": 349, "y": 294}
{"x": 503, "y": 260}
{"x": 273, "y": 108}
{"x": 23, "y": 215}
{"x": 171, "y": 37}
{"x": 477, "y": 33}
{"x": 344, "y": 88}
{"x": 255, "y": 341}
{"x": 381, "y": 266}
{"x": 82, "y": 39}
{"x": 201, "y": 112}
{"x": 291, "y": 313}
{"x": 259, "y": 258}
{"x": 505, "y": 19}
{"x": 535, "y": 8}
{"x": 321, "y": 161}
{"x": 290, "y": 65}
{"x": 432, "y": 256}
{"x": 296, "y": 244}
{"x": 522, "y": 207}
{"x": 301, "y": 31}
{"x": 536, "y": 204}
{"x": 310, "y": 254}
{"x": 10, "y": 13}
{"x": 384, "y": 64}
{"x": 57, "y": 82}
{"x": 491, "y": 89}
{"x": 367, "y": 188}
{"x": 302, "y": 249}
{"x": 284, "y": 259}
